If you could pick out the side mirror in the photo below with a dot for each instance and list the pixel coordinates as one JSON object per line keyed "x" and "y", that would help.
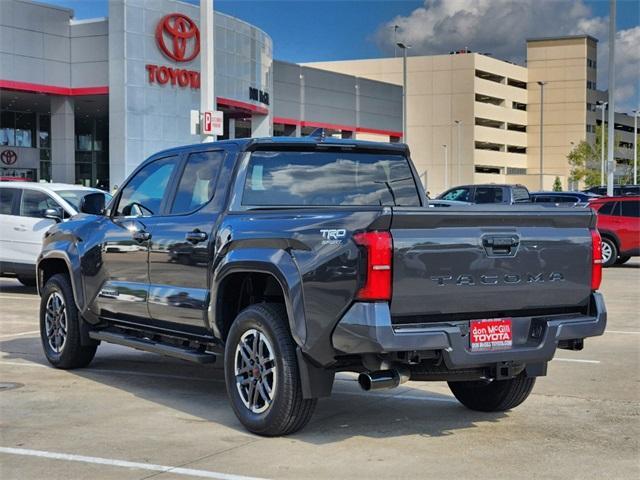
{"x": 93, "y": 203}
{"x": 54, "y": 214}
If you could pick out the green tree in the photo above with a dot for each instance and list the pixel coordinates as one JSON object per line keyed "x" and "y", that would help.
{"x": 557, "y": 185}
{"x": 585, "y": 159}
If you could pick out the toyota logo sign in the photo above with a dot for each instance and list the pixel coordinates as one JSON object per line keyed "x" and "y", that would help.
{"x": 178, "y": 37}
{"x": 8, "y": 157}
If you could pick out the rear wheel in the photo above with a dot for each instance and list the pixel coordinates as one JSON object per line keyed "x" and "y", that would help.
{"x": 261, "y": 373}
{"x": 495, "y": 396}
{"x": 622, "y": 259}
{"x": 609, "y": 252}
{"x": 60, "y": 326}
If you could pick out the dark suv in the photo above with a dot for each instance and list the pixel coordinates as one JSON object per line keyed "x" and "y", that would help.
{"x": 293, "y": 259}
{"x": 489, "y": 193}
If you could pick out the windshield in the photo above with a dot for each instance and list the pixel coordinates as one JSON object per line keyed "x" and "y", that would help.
{"x": 329, "y": 179}
{"x": 73, "y": 197}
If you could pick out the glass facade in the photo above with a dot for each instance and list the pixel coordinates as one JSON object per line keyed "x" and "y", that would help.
{"x": 92, "y": 151}
{"x": 17, "y": 129}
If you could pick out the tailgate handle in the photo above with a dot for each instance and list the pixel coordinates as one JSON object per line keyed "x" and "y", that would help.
{"x": 501, "y": 246}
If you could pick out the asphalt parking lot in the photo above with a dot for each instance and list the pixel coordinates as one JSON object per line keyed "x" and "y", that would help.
{"x": 134, "y": 415}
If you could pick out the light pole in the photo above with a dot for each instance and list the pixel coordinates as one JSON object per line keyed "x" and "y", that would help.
{"x": 458, "y": 125}
{"x": 446, "y": 166}
{"x": 611, "y": 162}
{"x": 542, "y": 84}
{"x": 404, "y": 48}
{"x": 635, "y": 146}
{"x": 395, "y": 42}
{"x": 603, "y": 106}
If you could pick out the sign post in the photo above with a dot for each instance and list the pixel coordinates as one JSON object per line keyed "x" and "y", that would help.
{"x": 207, "y": 96}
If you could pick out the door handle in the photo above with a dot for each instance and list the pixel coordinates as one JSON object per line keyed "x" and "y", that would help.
{"x": 20, "y": 229}
{"x": 196, "y": 236}
{"x": 141, "y": 236}
{"x": 501, "y": 246}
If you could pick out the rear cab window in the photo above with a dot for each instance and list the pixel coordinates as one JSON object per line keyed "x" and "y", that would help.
{"x": 282, "y": 178}
{"x": 460, "y": 194}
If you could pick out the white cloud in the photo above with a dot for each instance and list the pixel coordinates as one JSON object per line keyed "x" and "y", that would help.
{"x": 501, "y": 27}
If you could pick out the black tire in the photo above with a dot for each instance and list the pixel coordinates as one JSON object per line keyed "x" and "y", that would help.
{"x": 27, "y": 281}
{"x": 622, "y": 259}
{"x": 608, "y": 243}
{"x": 71, "y": 353}
{"x": 495, "y": 396}
{"x": 287, "y": 411}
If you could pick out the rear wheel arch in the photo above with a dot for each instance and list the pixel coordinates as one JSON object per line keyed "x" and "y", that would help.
{"x": 238, "y": 286}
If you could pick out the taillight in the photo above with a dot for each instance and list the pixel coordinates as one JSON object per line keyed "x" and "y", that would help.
{"x": 596, "y": 260}
{"x": 378, "y": 246}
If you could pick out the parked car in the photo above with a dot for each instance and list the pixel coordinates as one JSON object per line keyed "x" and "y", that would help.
{"x": 619, "y": 226}
{"x": 491, "y": 193}
{"x": 618, "y": 190}
{"x": 27, "y": 211}
{"x": 315, "y": 256}
{"x": 562, "y": 198}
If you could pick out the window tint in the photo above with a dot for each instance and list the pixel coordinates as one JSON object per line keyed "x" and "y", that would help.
{"x": 631, "y": 190}
{"x": 461, "y": 194}
{"x": 543, "y": 199}
{"x": 34, "y": 203}
{"x": 198, "y": 181}
{"x": 329, "y": 178}
{"x": 6, "y": 200}
{"x": 520, "y": 194}
{"x": 607, "y": 208}
{"x": 630, "y": 209}
{"x": 143, "y": 195}
{"x": 488, "y": 195}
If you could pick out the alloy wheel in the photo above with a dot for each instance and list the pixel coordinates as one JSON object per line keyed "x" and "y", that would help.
{"x": 606, "y": 252}
{"x": 255, "y": 371}
{"x": 55, "y": 321}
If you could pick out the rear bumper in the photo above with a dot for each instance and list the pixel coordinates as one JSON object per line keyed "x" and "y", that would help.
{"x": 367, "y": 328}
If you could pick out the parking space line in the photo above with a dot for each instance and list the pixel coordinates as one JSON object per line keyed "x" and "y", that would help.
{"x": 622, "y": 332}
{"x": 19, "y": 334}
{"x": 577, "y": 360}
{"x": 189, "y": 472}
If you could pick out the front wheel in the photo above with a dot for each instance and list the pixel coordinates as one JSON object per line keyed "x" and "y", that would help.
{"x": 60, "y": 326}
{"x": 261, "y": 373}
{"x": 494, "y": 396}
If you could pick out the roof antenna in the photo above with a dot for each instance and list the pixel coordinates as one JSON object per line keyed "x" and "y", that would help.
{"x": 318, "y": 133}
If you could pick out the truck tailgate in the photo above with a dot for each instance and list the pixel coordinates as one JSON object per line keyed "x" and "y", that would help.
{"x": 489, "y": 261}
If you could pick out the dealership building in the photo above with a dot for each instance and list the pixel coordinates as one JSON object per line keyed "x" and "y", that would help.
{"x": 86, "y": 101}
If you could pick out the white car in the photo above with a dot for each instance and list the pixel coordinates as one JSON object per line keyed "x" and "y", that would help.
{"x": 27, "y": 211}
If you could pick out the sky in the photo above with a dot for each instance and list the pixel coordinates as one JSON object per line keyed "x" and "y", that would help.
{"x": 321, "y": 30}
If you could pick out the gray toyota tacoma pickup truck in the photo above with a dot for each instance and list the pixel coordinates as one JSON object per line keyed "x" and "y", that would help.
{"x": 292, "y": 259}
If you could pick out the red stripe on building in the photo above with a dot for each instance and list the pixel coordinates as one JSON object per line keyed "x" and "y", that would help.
{"x": 52, "y": 89}
{"x": 243, "y": 105}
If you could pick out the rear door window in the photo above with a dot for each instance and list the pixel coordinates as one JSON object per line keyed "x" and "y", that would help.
{"x": 608, "y": 208}
{"x": 280, "y": 178}
{"x": 520, "y": 194}
{"x": 630, "y": 209}
{"x": 488, "y": 195}
{"x": 7, "y": 198}
{"x": 198, "y": 182}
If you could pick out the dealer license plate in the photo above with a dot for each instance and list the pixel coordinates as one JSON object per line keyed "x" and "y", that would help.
{"x": 490, "y": 334}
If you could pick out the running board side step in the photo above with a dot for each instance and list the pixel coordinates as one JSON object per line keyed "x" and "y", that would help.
{"x": 189, "y": 354}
